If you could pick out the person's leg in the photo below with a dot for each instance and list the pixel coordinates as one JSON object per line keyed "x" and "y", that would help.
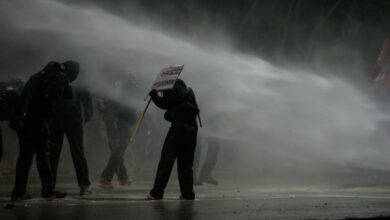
{"x": 23, "y": 165}
{"x": 198, "y": 152}
{"x": 196, "y": 165}
{"x": 41, "y": 146}
{"x": 74, "y": 133}
{"x": 1, "y": 145}
{"x": 110, "y": 170}
{"x": 123, "y": 178}
{"x": 115, "y": 165}
{"x": 124, "y": 132}
{"x": 185, "y": 160}
{"x": 168, "y": 156}
{"x": 55, "y": 146}
{"x": 210, "y": 161}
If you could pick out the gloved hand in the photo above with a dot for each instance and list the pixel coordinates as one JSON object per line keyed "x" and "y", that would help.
{"x": 153, "y": 93}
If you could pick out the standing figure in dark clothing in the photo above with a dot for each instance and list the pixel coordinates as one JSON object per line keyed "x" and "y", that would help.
{"x": 40, "y": 97}
{"x": 68, "y": 120}
{"x": 118, "y": 119}
{"x": 10, "y": 106}
{"x": 180, "y": 141}
{"x": 209, "y": 163}
{"x": 1, "y": 145}
{"x": 211, "y": 143}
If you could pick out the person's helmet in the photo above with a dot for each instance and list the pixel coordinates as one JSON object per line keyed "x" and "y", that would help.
{"x": 72, "y": 69}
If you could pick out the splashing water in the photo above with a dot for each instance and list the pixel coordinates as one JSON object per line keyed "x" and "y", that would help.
{"x": 278, "y": 121}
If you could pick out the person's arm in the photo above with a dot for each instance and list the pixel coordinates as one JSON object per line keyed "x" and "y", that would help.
{"x": 159, "y": 101}
{"x": 55, "y": 92}
{"x": 1, "y": 146}
{"x": 25, "y": 96}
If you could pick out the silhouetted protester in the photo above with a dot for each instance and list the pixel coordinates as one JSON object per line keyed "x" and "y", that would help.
{"x": 180, "y": 141}
{"x": 118, "y": 118}
{"x": 40, "y": 97}
{"x": 209, "y": 163}
{"x": 1, "y": 145}
{"x": 10, "y": 106}
{"x": 68, "y": 120}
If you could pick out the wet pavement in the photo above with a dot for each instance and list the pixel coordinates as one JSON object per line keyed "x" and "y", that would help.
{"x": 213, "y": 202}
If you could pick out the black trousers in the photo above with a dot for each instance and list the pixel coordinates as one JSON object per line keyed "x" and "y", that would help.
{"x": 33, "y": 140}
{"x": 210, "y": 159}
{"x": 1, "y": 145}
{"x": 118, "y": 133}
{"x": 72, "y": 127}
{"x": 180, "y": 143}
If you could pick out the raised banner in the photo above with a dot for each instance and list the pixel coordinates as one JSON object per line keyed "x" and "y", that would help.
{"x": 381, "y": 73}
{"x": 167, "y": 77}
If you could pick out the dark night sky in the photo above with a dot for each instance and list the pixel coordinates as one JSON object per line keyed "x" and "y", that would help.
{"x": 336, "y": 33}
{"x": 292, "y": 29}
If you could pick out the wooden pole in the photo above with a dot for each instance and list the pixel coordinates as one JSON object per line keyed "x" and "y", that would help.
{"x": 139, "y": 122}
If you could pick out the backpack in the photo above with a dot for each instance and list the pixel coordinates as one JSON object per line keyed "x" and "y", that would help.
{"x": 190, "y": 107}
{"x": 9, "y": 100}
{"x": 185, "y": 111}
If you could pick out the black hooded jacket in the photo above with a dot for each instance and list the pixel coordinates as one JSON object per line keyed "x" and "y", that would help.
{"x": 43, "y": 90}
{"x": 179, "y": 102}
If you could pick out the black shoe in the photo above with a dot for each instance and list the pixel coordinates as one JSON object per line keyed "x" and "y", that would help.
{"x": 54, "y": 195}
{"x": 21, "y": 197}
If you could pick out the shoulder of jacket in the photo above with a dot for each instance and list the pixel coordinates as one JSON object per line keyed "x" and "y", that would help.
{"x": 62, "y": 75}
{"x": 190, "y": 92}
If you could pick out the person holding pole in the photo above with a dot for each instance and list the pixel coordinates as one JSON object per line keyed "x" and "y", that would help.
{"x": 180, "y": 142}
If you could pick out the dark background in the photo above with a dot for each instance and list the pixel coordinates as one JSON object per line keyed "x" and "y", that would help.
{"x": 332, "y": 32}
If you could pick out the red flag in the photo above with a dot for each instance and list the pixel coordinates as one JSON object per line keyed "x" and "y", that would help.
{"x": 381, "y": 73}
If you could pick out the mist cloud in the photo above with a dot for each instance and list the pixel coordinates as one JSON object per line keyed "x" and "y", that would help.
{"x": 275, "y": 118}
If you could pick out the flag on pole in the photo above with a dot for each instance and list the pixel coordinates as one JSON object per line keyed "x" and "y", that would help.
{"x": 381, "y": 73}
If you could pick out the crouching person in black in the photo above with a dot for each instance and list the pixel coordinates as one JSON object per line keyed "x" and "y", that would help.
{"x": 180, "y": 141}
{"x": 39, "y": 97}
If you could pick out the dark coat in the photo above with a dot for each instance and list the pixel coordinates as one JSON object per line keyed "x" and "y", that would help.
{"x": 179, "y": 102}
